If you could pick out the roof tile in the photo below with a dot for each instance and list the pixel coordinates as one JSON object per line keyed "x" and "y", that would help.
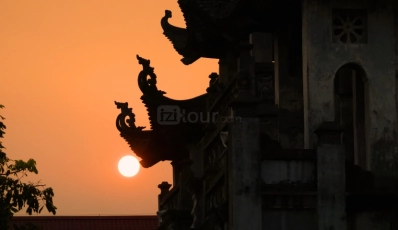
{"x": 89, "y": 222}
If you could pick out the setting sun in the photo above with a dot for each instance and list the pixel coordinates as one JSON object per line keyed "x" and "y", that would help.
{"x": 128, "y": 166}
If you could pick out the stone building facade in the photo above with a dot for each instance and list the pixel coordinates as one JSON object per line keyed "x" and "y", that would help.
{"x": 297, "y": 130}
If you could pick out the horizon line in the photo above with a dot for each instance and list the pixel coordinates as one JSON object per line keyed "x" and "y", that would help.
{"x": 140, "y": 214}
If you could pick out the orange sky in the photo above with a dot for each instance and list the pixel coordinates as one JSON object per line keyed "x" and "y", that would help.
{"x": 62, "y": 65}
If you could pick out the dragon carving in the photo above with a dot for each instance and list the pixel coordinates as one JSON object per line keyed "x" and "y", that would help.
{"x": 147, "y": 85}
{"x": 122, "y": 123}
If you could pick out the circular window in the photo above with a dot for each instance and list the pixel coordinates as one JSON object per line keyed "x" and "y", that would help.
{"x": 349, "y": 26}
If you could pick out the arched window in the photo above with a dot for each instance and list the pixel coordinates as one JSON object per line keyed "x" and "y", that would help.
{"x": 350, "y": 94}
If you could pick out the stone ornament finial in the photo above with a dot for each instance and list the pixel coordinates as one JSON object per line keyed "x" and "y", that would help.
{"x": 147, "y": 85}
{"x": 168, "y": 14}
{"x": 123, "y": 124}
{"x": 215, "y": 86}
{"x": 164, "y": 187}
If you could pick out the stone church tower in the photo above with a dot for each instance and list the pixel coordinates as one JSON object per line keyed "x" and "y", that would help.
{"x": 297, "y": 129}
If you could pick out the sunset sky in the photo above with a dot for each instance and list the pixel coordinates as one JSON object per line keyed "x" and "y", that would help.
{"x": 62, "y": 66}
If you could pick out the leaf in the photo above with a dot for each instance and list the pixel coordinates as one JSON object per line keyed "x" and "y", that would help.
{"x": 29, "y": 210}
{"x": 14, "y": 210}
{"x": 16, "y": 194}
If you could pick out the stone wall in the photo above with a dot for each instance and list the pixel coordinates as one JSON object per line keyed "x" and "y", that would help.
{"x": 288, "y": 59}
{"x": 322, "y": 57}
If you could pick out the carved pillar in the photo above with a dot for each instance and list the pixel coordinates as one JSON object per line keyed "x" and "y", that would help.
{"x": 228, "y": 66}
{"x": 246, "y": 66}
{"x": 245, "y": 211}
{"x": 331, "y": 178}
{"x": 185, "y": 202}
{"x": 196, "y": 155}
{"x": 214, "y": 90}
{"x": 224, "y": 70}
{"x": 214, "y": 79}
{"x": 244, "y": 180}
{"x": 176, "y": 172}
{"x": 289, "y": 87}
{"x": 262, "y": 52}
{"x": 164, "y": 189}
{"x": 195, "y": 188}
{"x": 262, "y": 47}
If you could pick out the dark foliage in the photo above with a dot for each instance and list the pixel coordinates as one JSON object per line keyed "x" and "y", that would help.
{"x": 16, "y": 194}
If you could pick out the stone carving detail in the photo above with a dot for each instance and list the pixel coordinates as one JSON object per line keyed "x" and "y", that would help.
{"x": 215, "y": 86}
{"x": 147, "y": 85}
{"x": 217, "y": 196}
{"x": 243, "y": 80}
{"x": 214, "y": 153}
{"x": 170, "y": 202}
{"x": 168, "y": 199}
{"x": 221, "y": 106}
{"x": 224, "y": 138}
{"x": 349, "y": 26}
{"x": 195, "y": 189}
{"x": 265, "y": 85}
{"x": 172, "y": 205}
{"x": 122, "y": 122}
{"x": 164, "y": 188}
{"x": 270, "y": 128}
{"x": 226, "y": 101}
{"x": 265, "y": 81}
{"x": 160, "y": 215}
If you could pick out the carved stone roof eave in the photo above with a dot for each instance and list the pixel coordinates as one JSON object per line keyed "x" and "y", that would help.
{"x": 176, "y": 35}
{"x": 154, "y": 98}
{"x": 138, "y": 139}
{"x": 183, "y": 42}
{"x": 162, "y": 142}
{"x": 231, "y": 20}
{"x": 139, "y": 142}
{"x": 152, "y": 104}
{"x": 170, "y": 136}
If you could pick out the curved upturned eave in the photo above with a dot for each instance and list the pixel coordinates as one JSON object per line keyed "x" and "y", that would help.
{"x": 176, "y": 35}
{"x": 139, "y": 143}
{"x": 150, "y": 145}
{"x": 152, "y": 103}
{"x": 162, "y": 142}
{"x": 179, "y": 39}
{"x": 153, "y": 146}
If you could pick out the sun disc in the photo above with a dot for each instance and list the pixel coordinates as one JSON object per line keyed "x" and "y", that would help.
{"x": 128, "y": 166}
